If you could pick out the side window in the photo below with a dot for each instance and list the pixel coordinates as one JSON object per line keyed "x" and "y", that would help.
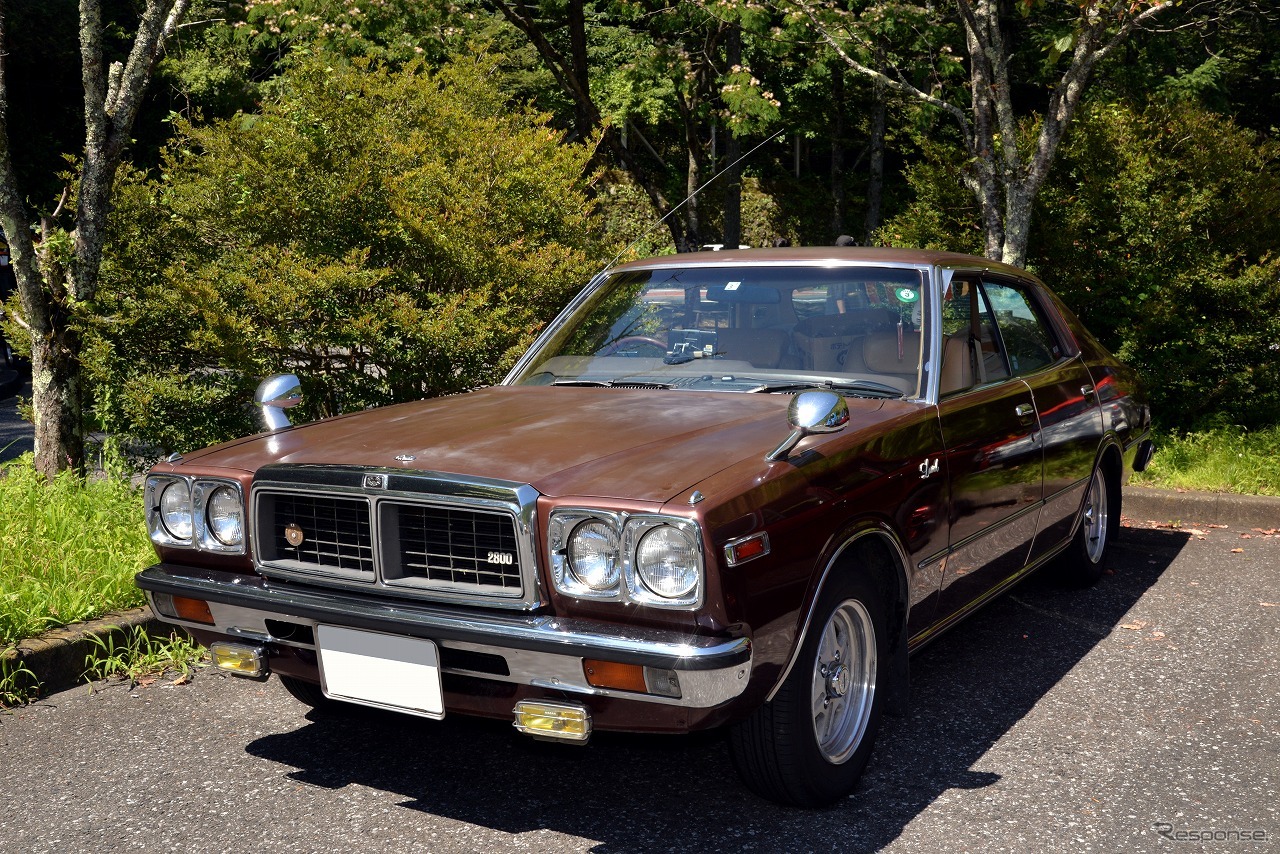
{"x": 1027, "y": 339}
{"x": 970, "y": 350}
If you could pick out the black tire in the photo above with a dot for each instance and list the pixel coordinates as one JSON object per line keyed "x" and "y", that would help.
{"x": 307, "y": 693}
{"x": 809, "y": 746}
{"x": 1082, "y": 564}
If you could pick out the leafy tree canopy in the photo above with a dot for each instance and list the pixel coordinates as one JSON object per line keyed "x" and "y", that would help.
{"x": 388, "y": 235}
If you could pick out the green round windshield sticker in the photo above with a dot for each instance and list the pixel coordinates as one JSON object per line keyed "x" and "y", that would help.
{"x": 906, "y": 294}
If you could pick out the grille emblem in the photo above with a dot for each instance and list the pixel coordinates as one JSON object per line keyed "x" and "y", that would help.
{"x": 375, "y": 481}
{"x": 294, "y": 534}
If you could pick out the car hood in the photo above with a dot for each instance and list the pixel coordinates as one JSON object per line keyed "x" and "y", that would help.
{"x": 644, "y": 445}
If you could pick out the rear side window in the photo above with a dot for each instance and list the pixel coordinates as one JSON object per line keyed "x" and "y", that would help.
{"x": 1028, "y": 340}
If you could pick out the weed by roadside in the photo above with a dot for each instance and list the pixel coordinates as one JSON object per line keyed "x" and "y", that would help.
{"x": 141, "y": 655}
{"x": 69, "y": 548}
{"x": 18, "y": 685}
{"x": 1220, "y": 459}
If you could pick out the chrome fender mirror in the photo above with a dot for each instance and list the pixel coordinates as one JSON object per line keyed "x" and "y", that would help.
{"x": 275, "y": 395}
{"x": 811, "y": 412}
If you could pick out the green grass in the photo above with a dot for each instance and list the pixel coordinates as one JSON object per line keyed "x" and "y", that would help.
{"x": 18, "y": 684}
{"x": 1222, "y": 459}
{"x": 141, "y": 654}
{"x": 68, "y": 549}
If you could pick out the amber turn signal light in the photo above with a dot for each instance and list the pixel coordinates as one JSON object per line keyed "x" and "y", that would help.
{"x": 195, "y": 610}
{"x": 611, "y": 674}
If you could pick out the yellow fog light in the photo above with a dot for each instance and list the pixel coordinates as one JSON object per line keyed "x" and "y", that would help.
{"x": 561, "y": 721}
{"x": 239, "y": 659}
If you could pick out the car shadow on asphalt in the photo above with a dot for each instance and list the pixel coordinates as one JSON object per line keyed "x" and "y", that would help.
{"x": 631, "y": 793}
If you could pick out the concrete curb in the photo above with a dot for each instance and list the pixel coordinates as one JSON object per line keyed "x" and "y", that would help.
{"x": 57, "y": 657}
{"x": 1166, "y": 505}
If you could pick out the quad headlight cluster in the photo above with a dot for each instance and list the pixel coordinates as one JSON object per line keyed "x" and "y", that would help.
{"x": 646, "y": 559}
{"x": 200, "y": 513}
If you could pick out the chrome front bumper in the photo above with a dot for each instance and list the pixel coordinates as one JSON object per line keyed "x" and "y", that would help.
{"x": 540, "y": 651}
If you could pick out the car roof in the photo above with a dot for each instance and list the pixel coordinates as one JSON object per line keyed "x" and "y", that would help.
{"x": 825, "y": 254}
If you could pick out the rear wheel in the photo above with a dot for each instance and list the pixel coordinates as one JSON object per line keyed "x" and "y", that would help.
{"x": 809, "y": 746}
{"x": 1081, "y": 564}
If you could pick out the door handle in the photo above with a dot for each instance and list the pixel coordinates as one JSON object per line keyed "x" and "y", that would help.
{"x": 1022, "y": 410}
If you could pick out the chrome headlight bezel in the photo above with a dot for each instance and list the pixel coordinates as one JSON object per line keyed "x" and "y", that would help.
{"x": 630, "y": 529}
{"x": 560, "y": 532}
{"x": 641, "y": 588}
{"x": 200, "y": 491}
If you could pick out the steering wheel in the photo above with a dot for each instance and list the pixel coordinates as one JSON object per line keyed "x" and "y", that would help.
{"x": 631, "y": 344}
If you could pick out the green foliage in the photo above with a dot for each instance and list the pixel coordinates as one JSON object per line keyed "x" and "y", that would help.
{"x": 387, "y": 235}
{"x": 942, "y": 213}
{"x": 69, "y": 549}
{"x": 1222, "y": 458}
{"x": 141, "y": 654}
{"x": 18, "y": 685}
{"x": 1158, "y": 229}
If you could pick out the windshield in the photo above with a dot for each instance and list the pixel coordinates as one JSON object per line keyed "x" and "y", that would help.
{"x": 743, "y": 328}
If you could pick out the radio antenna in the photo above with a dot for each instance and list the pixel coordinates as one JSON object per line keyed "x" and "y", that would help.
{"x": 691, "y": 196}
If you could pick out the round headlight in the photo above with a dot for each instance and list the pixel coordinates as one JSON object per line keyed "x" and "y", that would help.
{"x": 225, "y": 516}
{"x": 175, "y": 510}
{"x": 667, "y": 562}
{"x": 593, "y": 555}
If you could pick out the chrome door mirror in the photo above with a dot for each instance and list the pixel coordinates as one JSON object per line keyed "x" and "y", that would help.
{"x": 275, "y": 395}
{"x": 811, "y": 412}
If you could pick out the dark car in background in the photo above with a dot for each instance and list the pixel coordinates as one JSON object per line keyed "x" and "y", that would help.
{"x": 730, "y": 489}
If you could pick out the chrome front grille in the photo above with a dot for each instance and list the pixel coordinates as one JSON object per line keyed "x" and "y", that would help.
{"x": 419, "y": 535}
{"x": 458, "y": 548}
{"x": 337, "y": 533}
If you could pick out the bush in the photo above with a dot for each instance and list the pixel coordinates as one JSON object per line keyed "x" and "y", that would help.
{"x": 385, "y": 235}
{"x": 1156, "y": 228}
{"x": 69, "y": 548}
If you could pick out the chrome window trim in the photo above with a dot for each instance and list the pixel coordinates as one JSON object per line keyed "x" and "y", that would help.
{"x": 516, "y": 501}
{"x": 526, "y": 359}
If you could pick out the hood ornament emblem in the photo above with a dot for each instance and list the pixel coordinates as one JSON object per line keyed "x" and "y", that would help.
{"x": 405, "y": 458}
{"x": 293, "y": 533}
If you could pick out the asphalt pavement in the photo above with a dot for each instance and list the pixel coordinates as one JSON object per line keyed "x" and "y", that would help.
{"x": 1139, "y": 715}
{"x": 16, "y": 435}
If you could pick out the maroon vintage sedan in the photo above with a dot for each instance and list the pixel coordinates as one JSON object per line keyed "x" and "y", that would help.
{"x": 722, "y": 489}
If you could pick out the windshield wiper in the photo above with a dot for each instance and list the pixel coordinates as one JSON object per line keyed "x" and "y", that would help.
{"x": 868, "y": 388}
{"x": 623, "y": 383}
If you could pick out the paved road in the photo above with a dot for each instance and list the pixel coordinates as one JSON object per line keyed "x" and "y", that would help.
{"x": 1055, "y": 720}
{"x": 16, "y": 436}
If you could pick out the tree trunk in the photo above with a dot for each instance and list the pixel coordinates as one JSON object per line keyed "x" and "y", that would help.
{"x": 875, "y": 170}
{"x": 47, "y": 288}
{"x": 732, "y": 235}
{"x": 837, "y": 151}
{"x": 56, "y": 400}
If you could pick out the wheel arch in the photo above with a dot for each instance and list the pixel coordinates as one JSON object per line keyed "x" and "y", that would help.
{"x": 872, "y": 548}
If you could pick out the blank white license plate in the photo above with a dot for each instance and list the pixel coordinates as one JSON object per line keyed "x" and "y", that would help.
{"x": 387, "y": 671}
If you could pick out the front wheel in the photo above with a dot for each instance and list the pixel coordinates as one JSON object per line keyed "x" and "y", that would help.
{"x": 307, "y": 693}
{"x": 809, "y": 746}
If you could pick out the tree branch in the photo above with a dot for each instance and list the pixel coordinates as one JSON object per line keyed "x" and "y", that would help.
{"x": 900, "y": 86}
